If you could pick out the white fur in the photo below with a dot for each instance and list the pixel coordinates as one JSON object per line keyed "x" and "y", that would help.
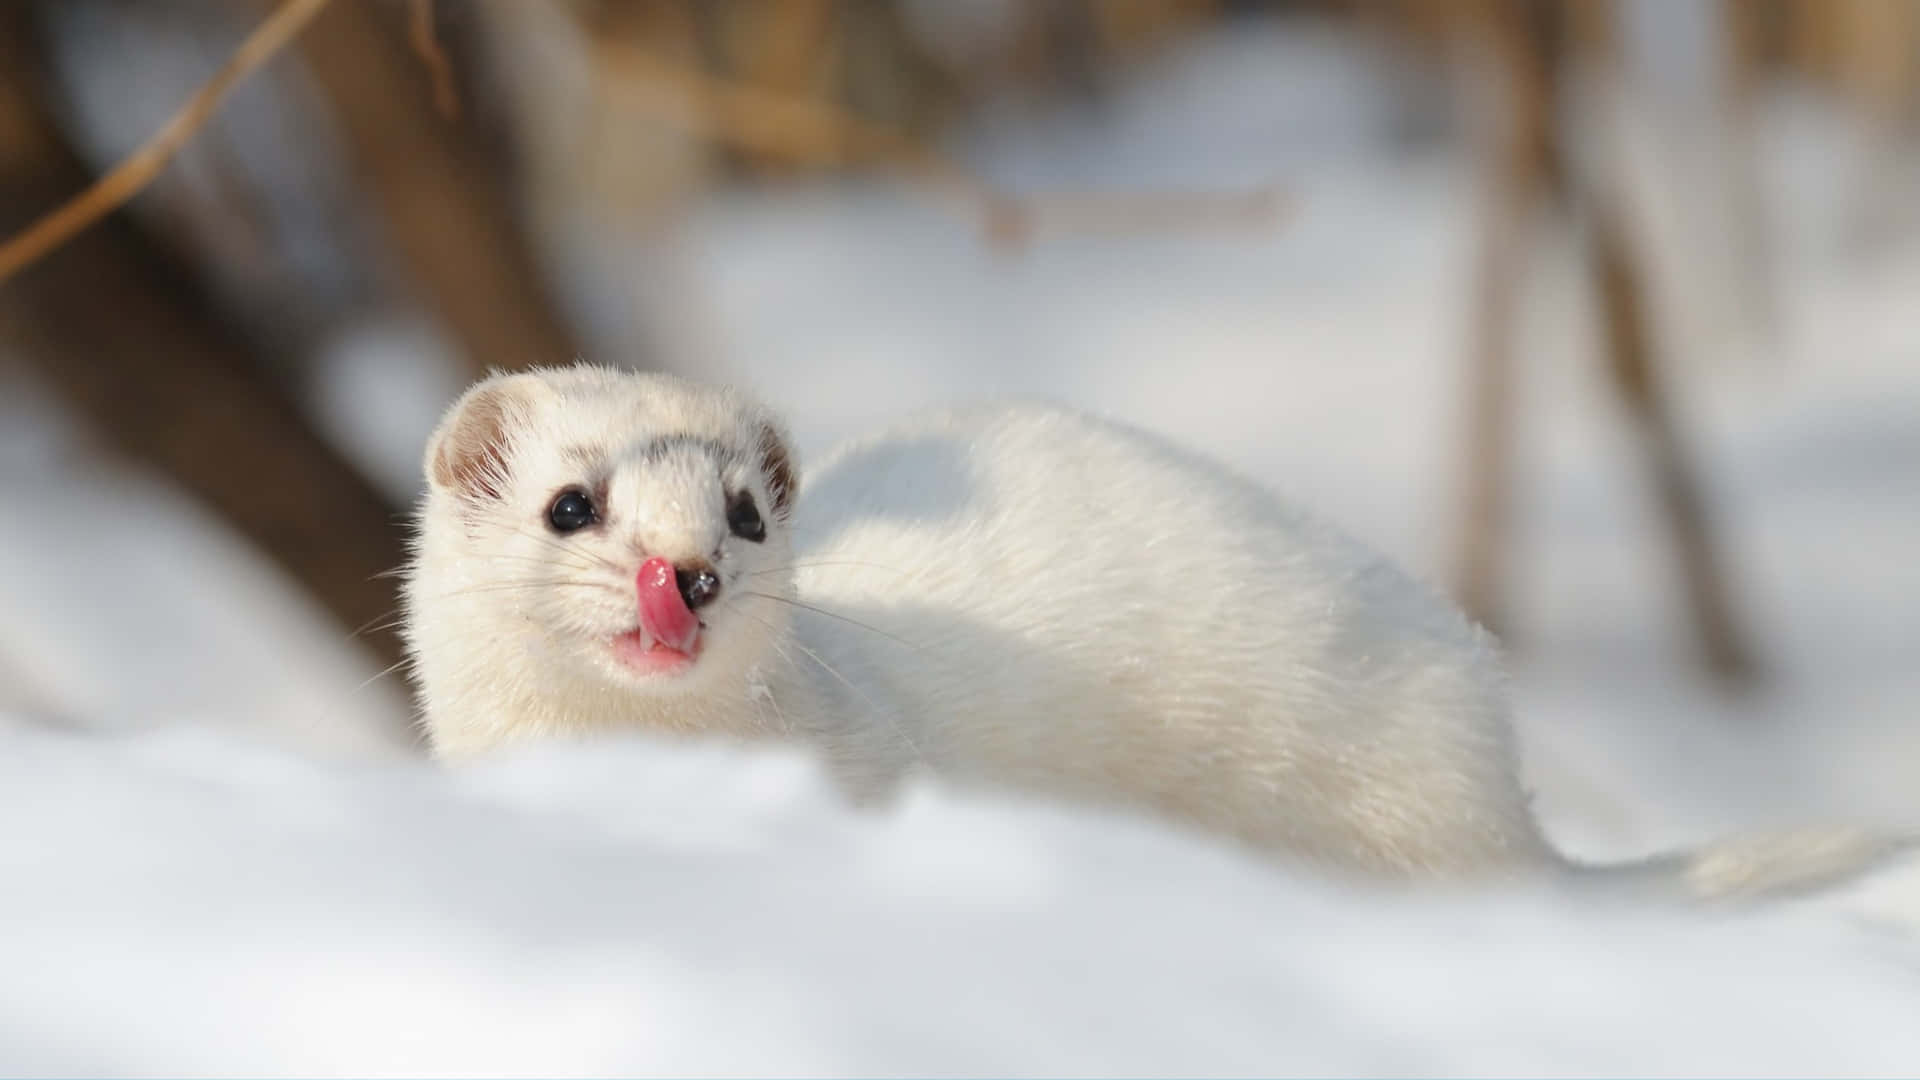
{"x": 1018, "y": 596}
{"x": 505, "y": 621}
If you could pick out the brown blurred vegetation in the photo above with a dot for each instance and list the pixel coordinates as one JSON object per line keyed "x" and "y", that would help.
{"x": 181, "y": 328}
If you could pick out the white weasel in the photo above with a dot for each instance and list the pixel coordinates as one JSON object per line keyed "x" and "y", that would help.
{"x": 1018, "y": 596}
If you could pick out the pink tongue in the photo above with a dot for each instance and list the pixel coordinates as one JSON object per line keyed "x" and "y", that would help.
{"x": 663, "y": 614}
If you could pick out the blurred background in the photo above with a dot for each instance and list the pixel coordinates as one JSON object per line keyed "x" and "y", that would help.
{"x": 1603, "y": 315}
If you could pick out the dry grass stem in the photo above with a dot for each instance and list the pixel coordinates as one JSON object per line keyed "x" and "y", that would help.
{"x": 781, "y": 126}
{"x": 138, "y": 169}
{"x": 426, "y": 45}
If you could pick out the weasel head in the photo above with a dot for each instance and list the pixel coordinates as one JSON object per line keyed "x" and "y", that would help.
{"x": 597, "y": 548}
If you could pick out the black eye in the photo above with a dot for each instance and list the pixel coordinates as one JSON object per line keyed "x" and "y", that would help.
{"x": 572, "y": 510}
{"x": 744, "y": 518}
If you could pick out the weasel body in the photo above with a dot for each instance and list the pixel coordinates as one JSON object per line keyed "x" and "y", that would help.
{"x": 1017, "y": 596}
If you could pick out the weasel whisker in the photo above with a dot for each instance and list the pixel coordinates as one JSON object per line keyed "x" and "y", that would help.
{"x": 379, "y": 624}
{"x": 818, "y": 610}
{"x": 830, "y": 562}
{"x": 552, "y": 544}
{"x": 513, "y": 586}
{"x": 872, "y": 706}
{"x": 383, "y": 673}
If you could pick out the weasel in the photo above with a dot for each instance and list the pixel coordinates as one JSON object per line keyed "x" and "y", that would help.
{"x": 1017, "y": 596}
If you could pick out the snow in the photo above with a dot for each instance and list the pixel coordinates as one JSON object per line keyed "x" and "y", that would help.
{"x": 206, "y": 907}
{"x": 126, "y": 607}
{"x": 218, "y": 859}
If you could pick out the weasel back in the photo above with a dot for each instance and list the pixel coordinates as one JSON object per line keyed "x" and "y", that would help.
{"x": 1089, "y": 611}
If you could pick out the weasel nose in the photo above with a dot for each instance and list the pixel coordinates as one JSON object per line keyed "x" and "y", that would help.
{"x": 698, "y": 585}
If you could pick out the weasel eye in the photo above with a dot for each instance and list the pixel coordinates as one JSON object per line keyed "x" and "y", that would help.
{"x": 744, "y": 518}
{"x": 572, "y": 510}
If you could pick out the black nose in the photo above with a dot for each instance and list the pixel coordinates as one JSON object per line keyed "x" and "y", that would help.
{"x": 698, "y": 586}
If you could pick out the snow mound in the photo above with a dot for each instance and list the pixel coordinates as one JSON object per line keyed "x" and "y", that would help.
{"x": 184, "y": 902}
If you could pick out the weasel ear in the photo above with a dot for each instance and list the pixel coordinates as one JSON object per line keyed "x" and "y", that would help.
{"x": 776, "y": 464}
{"x": 468, "y": 452}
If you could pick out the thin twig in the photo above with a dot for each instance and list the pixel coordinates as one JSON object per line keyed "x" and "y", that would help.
{"x": 138, "y": 169}
{"x": 426, "y": 45}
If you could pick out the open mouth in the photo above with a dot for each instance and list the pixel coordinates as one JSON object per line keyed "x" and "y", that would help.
{"x": 642, "y": 652}
{"x": 667, "y": 641}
